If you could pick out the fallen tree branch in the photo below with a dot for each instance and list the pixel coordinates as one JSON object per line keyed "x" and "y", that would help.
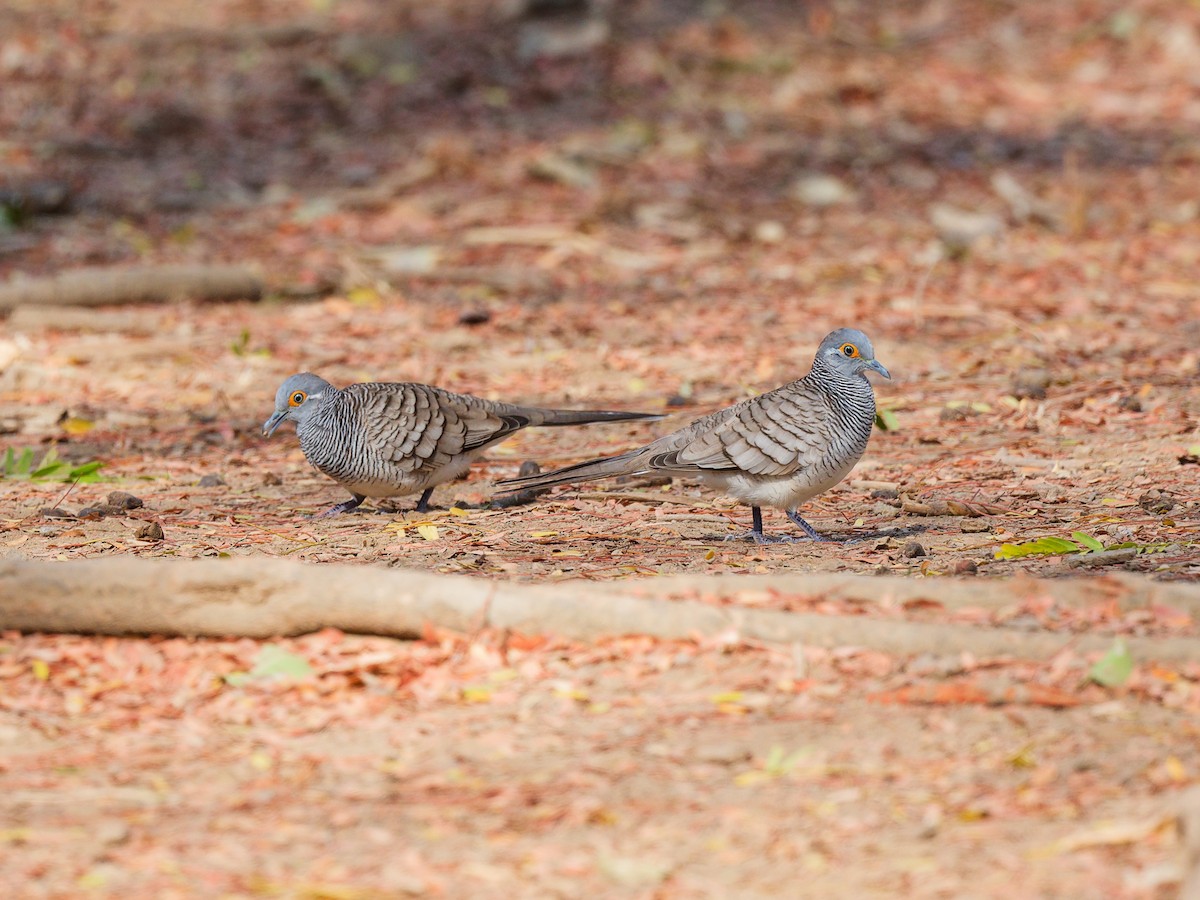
{"x": 1128, "y": 590}
{"x": 139, "y": 284}
{"x": 262, "y": 598}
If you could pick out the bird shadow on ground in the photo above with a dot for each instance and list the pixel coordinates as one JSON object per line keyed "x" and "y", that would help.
{"x": 854, "y": 537}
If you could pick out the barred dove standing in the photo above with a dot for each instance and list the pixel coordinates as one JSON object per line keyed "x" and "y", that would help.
{"x": 777, "y": 449}
{"x": 380, "y": 440}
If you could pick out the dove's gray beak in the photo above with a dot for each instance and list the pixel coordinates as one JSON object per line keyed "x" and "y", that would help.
{"x": 880, "y": 368}
{"x": 272, "y": 423}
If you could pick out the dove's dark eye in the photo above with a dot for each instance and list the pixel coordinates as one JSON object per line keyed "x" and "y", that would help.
{"x": 849, "y": 350}
{"x": 297, "y": 398}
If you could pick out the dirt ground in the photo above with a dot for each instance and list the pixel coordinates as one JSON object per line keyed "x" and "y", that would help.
{"x": 1004, "y": 196}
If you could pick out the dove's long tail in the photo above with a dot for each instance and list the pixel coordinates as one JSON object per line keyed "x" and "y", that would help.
{"x": 607, "y": 467}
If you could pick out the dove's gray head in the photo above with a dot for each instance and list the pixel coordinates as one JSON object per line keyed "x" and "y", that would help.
{"x": 848, "y": 351}
{"x": 297, "y": 398}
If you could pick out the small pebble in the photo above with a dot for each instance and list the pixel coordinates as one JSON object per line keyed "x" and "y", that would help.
{"x": 54, "y": 512}
{"x": 820, "y": 191}
{"x": 770, "y": 232}
{"x": 965, "y": 567}
{"x": 1156, "y": 501}
{"x": 1031, "y": 383}
{"x": 912, "y": 549}
{"x": 151, "y": 531}
{"x": 475, "y": 317}
{"x": 111, "y": 832}
{"x": 960, "y": 228}
{"x": 212, "y": 481}
{"x": 723, "y": 754}
{"x": 92, "y": 512}
{"x": 123, "y": 500}
{"x": 1131, "y": 403}
{"x": 957, "y": 413}
{"x": 975, "y": 526}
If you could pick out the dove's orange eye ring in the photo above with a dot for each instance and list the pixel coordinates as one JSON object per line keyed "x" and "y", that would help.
{"x": 849, "y": 350}
{"x": 297, "y": 398}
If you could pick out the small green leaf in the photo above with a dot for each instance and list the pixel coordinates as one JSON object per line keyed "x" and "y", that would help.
{"x": 886, "y": 420}
{"x": 1114, "y": 668}
{"x": 85, "y": 470}
{"x": 24, "y": 462}
{"x": 1088, "y": 541}
{"x": 46, "y": 471}
{"x": 273, "y": 662}
{"x": 241, "y": 343}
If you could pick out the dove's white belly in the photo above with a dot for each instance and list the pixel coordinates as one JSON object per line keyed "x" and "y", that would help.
{"x": 783, "y": 492}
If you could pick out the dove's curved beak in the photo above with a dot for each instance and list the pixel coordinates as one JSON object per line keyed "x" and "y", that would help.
{"x": 879, "y": 367}
{"x": 272, "y": 423}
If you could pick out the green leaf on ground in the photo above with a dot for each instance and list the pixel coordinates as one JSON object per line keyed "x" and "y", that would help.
{"x": 1047, "y": 546}
{"x": 20, "y": 466}
{"x": 1114, "y": 668}
{"x": 273, "y": 662}
{"x": 886, "y": 420}
{"x": 1088, "y": 541}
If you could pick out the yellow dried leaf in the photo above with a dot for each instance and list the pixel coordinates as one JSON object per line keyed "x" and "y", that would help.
{"x": 363, "y": 296}
{"x": 260, "y": 761}
{"x": 710, "y": 555}
{"x": 428, "y": 531}
{"x": 602, "y": 817}
{"x": 75, "y": 425}
{"x": 543, "y": 534}
{"x": 567, "y": 553}
{"x": 750, "y": 778}
{"x": 92, "y": 880}
{"x": 477, "y": 694}
{"x": 41, "y": 669}
{"x": 571, "y": 693}
{"x": 459, "y": 511}
{"x": 1107, "y": 834}
{"x": 1175, "y": 769}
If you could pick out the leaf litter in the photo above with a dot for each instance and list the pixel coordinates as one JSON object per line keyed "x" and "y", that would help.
{"x": 673, "y": 253}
